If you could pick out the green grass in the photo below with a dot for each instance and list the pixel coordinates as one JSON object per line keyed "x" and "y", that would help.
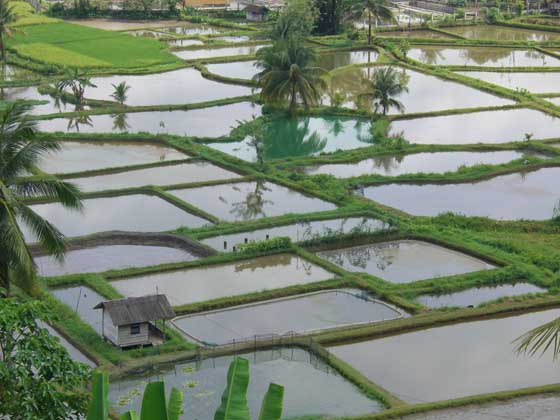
{"x": 67, "y": 44}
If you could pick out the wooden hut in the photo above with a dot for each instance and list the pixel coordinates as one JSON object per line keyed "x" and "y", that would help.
{"x": 131, "y": 321}
{"x": 256, "y": 13}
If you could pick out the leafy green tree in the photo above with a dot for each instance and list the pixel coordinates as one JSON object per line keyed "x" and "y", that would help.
{"x": 233, "y": 406}
{"x": 385, "y": 85}
{"x": 7, "y": 16}
{"x": 288, "y": 75}
{"x": 329, "y": 17}
{"x": 296, "y": 20}
{"x": 374, "y": 10}
{"x": 404, "y": 47}
{"x": 38, "y": 378}
{"x": 120, "y": 92}
{"x": 77, "y": 82}
{"x": 20, "y": 152}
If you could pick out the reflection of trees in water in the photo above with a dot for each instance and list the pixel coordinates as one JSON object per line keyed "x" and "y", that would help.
{"x": 387, "y": 162}
{"x": 290, "y": 137}
{"x": 309, "y": 234}
{"x": 275, "y": 261}
{"x": 431, "y": 56}
{"x": 252, "y": 205}
{"x": 359, "y": 257}
{"x": 119, "y": 122}
{"x": 556, "y": 210}
{"x": 74, "y": 123}
{"x": 485, "y": 55}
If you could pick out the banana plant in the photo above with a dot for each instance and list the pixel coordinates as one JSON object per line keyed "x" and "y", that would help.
{"x": 233, "y": 405}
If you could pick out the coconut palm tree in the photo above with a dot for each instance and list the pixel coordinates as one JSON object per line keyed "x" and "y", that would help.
{"x": 7, "y": 16}
{"x": 541, "y": 339}
{"x": 374, "y": 10}
{"x": 77, "y": 82}
{"x": 288, "y": 75}
{"x": 385, "y": 84}
{"x": 120, "y": 92}
{"x": 20, "y": 151}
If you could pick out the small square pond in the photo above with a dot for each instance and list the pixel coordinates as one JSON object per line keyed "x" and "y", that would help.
{"x": 300, "y": 314}
{"x": 529, "y": 195}
{"x": 296, "y": 369}
{"x": 404, "y": 261}
{"x": 480, "y": 353}
{"x": 250, "y": 200}
{"x": 219, "y": 281}
{"x": 131, "y": 213}
{"x": 183, "y": 173}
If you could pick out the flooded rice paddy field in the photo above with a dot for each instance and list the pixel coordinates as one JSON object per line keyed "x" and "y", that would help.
{"x": 241, "y": 210}
{"x": 532, "y": 195}
{"x": 232, "y": 279}
{"x": 102, "y": 154}
{"x": 404, "y": 261}
{"x": 504, "y": 33}
{"x": 312, "y": 312}
{"x": 183, "y": 173}
{"x": 482, "y": 57}
{"x": 175, "y": 87}
{"x": 477, "y": 295}
{"x": 395, "y": 165}
{"x": 205, "y": 122}
{"x": 296, "y": 368}
{"x": 97, "y": 259}
{"x": 546, "y": 82}
{"x": 202, "y": 53}
{"x": 131, "y": 213}
{"x": 502, "y": 126}
{"x": 81, "y": 300}
{"x": 74, "y": 353}
{"x": 303, "y": 231}
{"x": 305, "y": 136}
{"x": 250, "y": 200}
{"x": 424, "y": 93}
{"x": 480, "y": 353}
{"x": 235, "y": 70}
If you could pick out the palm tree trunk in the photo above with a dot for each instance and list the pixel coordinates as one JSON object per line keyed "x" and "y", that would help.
{"x": 4, "y": 280}
{"x": 293, "y": 103}
{"x": 369, "y": 28}
{"x": 2, "y": 48}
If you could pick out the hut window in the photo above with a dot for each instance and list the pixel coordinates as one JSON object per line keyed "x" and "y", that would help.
{"x": 134, "y": 329}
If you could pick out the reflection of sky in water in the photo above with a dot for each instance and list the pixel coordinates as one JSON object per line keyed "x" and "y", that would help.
{"x": 404, "y": 261}
{"x": 534, "y": 195}
{"x": 250, "y": 200}
{"x": 312, "y": 312}
{"x": 477, "y": 295}
{"x": 454, "y": 361}
{"x": 297, "y": 370}
{"x": 502, "y": 126}
{"x": 212, "y": 282}
{"x": 82, "y": 300}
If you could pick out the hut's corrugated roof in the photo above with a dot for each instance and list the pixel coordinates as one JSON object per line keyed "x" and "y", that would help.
{"x": 137, "y": 309}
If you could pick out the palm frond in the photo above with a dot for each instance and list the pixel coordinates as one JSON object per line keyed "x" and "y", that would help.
{"x": 540, "y": 340}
